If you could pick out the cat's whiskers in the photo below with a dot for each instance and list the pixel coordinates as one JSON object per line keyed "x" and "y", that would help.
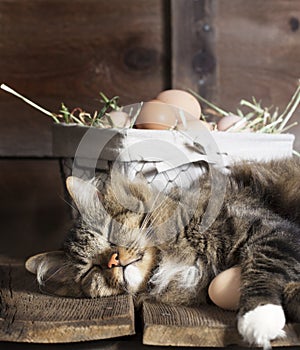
{"x": 68, "y": 203}
{"x": 146, "y": 232}
{"x": 143, "y": 230}
{"x": 153, "y": 216}
{"x": 149, "y": 216}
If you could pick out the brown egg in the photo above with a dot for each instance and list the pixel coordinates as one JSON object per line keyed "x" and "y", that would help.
{"x": 156, "y": 115}
{"x": 120, "y": 119}
{"x": 224, "y": 289}
{"x": 228, "y": 121}
{"x": 182, "y": 100}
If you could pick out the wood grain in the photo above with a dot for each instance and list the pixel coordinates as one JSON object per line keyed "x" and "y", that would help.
{"x": 206, "y": 326}
{"x": 193, "y": 45}
{"x": 233, "y": 50}
{"x": 61, "y": 51}
{"x": 257, "y": 50}
{"x": 33, "y": 214}
{"x": 26, "y": 315}
{"x": 57, "y": 51}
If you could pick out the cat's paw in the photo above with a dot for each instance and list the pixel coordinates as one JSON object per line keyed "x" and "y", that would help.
{"x": 262, "y": 324}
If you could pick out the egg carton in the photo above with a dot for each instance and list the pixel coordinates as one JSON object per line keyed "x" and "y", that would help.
{"x": 161, "y": 151}
{"x": 165, "y": 158}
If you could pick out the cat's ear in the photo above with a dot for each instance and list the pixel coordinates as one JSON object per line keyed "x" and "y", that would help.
{"x": 84, "y": 193}
{"x": 55, "y": 274}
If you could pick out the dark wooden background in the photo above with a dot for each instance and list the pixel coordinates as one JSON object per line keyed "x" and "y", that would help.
{"x": 57, "y": 51}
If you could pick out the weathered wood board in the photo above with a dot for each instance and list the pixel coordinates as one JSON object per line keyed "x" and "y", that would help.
{"x": 233, "y": 50}
{"x": 207, "y": 326}
{"x": 55, "y": 51}
{"x": 34, "y": 216}
{"x": 194, "y": 61}
{"x": 26, "y": 315}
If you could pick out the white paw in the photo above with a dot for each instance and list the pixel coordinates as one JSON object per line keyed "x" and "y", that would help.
{"x": 261, "y": 325}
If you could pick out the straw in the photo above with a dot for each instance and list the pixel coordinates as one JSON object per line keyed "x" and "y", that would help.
{"x": 34, "y": 105}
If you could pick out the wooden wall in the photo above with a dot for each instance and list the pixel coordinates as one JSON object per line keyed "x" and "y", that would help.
{"x": 229, "y": 50}
{"x": 57, "y": 51}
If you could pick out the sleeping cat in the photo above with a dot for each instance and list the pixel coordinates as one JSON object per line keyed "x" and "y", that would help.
{"x": 132, "y": 239}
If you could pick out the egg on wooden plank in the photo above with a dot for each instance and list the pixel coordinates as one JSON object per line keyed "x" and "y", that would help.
{"x": 157, "y": 115}
{"x": 224, "y": 289}
{"x": 182, "y": 100}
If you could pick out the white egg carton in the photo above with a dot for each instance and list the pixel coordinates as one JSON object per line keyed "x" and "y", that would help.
{"x": 237, "y": 146}
{"x": 164, "y": 157}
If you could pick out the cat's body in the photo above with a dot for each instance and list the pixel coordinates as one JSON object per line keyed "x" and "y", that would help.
{"x": 167, "y": 255}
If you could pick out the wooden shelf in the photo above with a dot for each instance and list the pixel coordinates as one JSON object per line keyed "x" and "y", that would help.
{"x": 30, "y": 316}
{"x": 206, "y": 326}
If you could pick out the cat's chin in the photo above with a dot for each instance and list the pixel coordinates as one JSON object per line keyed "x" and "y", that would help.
{"x": 133, "y": 278}
{"x": 135, "y": 269}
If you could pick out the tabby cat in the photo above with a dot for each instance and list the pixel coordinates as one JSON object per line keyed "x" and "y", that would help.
{"x": 132, "y": 239}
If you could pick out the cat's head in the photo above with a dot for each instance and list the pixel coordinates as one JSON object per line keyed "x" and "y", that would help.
{"x": 112, "y": 249}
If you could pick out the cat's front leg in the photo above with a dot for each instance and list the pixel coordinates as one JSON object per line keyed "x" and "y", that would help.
{"x": 261, "y": 317}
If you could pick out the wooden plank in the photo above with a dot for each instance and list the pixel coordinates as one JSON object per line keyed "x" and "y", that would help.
{"x": 206, "y": 326}
{"x": 55, "y": 51}
{"x": 29, "y": 316}
{"x": 233, "y": 50}
{"x": 193, "y": 37}
{"x": 257, "y": 48}
{"x": 34, "y": 216}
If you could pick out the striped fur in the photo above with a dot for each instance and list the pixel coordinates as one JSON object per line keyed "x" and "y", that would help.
{"x": 165, "y": 254}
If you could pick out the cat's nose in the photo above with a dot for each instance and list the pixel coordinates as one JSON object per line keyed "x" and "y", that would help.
{"x": 113, "y": 261}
